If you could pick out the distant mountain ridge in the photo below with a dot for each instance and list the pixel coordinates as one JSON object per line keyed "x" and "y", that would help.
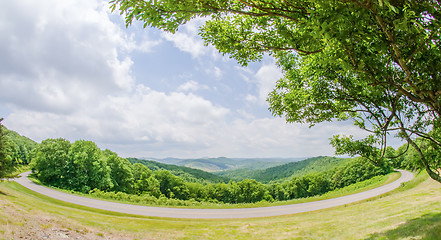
{"x": 224, "y": 163}
{"x": 287, "y": 170}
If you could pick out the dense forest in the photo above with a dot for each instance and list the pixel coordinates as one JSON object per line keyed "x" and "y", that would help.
{"x": 285, "y": 171}
{"x": 188, "y": 174}
{"x": 15, "y": 151}
{"x": 82, "y": 166}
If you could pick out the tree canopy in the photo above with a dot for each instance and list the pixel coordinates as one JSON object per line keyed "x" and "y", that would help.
{"x": 373, "y": 61}
{"x": 82, "y": 166}
{"x": 5, "y": 159}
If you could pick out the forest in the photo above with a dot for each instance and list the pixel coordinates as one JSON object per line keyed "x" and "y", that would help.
{"x": 83, "y": 167}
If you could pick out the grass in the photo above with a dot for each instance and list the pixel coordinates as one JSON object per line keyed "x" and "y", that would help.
{"x": 428, "y": 226}
{"x": 410, "y": 212}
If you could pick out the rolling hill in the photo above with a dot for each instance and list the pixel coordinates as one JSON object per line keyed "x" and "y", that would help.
{"x": 224, "y": 163}
{"x": 287, "y": 170}
{"x": 190, "y": 174}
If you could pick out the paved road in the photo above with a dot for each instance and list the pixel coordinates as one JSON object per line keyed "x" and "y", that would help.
{"x": 212, "y": 213}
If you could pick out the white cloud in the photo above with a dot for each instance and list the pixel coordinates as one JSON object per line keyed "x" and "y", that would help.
{"x": 145, "y": 115}
{"x": 187, "y": 39}
{"x": 217, "y": 72}
{"x": 267, "y": 77}
{"x": 144, "y": 44}
{"x": 214, "y": 71}
{"x": 58, "y": 54}
{"x": 191, "y": 86}
{"x": 262, "y": 81}
{"x": 251, "y": 98}
{"x": 245, "y": 77}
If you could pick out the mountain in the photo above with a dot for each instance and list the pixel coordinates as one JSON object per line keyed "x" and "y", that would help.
{"x": 224, "y": 163}
{"x": 287, "y": 170}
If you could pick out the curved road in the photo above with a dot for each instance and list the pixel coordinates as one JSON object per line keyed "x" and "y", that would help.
{"x": 212, "y": 213}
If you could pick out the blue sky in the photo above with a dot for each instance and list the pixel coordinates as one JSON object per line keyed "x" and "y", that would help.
{"x": 71, "y": 69}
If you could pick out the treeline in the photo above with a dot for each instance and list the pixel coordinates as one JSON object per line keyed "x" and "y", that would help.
{"x": 313, "y": 184}
{"x": 15, "y": 151}
{"x": 186, "y": 173}
{"x": 82, "y": 166}
{"x": 287, "y": 170}
{"x": 20, "y": 147}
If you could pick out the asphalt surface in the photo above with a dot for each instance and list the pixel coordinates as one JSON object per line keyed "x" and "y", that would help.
{"x": 212, "y": 213}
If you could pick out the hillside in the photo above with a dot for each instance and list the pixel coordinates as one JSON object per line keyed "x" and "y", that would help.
{"x": 187, "y": 173}
{"x": 21, "y": 146}
{"x": 224, "y": 163}
{"x": 315, "y": 164}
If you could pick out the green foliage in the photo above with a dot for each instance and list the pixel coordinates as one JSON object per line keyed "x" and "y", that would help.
{"x": 144, "y": 182}
{"x": 300, "y": 168}
{"x": 52, "y": 162}
{"x": 15, "y": 151}
{"x": 140, "y": 199}
{"x": 375, "y": 62}
{"x": 21, "y": 148}
{"x": 427, "y": 156}
{"x": 83, "y": 167}
{"x": 249, "y": 191}
{"x": 5, "y": 159}
{"x": 238, "y": 174}
{"x": 171, "y": 186}
{"x": 355, "y": 171}
{"x": 120, "y": 172}
{"x": 88, "y": 167}
{"x": 79, "y": 166}
{"x": 188, "y": 174}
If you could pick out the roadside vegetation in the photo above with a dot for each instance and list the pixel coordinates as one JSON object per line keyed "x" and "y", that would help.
{"x": 15, "y": 151}
{"x": 82, "y": 167}
{"x": 169, "y": 202}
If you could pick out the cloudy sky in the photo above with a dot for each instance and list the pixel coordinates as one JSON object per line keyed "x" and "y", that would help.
{"x": 72, "y": 69}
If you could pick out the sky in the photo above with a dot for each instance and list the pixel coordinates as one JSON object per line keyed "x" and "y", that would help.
{"x": 72, "y": 69}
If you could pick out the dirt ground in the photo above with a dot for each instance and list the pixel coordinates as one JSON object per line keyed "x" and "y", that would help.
{"x": 17, "y": 222}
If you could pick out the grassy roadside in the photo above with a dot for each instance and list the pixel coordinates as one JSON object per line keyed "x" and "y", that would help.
{"x": 352, "y": 189}
{"x": 412, "y": 212}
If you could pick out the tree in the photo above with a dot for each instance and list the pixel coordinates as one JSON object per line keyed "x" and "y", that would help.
{"x": 278, "y": 192}
{"x": 144, "y": 181}
{"x": 171, "y": 186}
{"x": 89, "y": 169}
{"x": 21, "y": 147}
{"x": 375, "y": 62}
{"x": 5, "y": 159}
{"x": 120, "y": 172}
{"x": 250, "y": 191}
{"x": 51, "y": 162}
